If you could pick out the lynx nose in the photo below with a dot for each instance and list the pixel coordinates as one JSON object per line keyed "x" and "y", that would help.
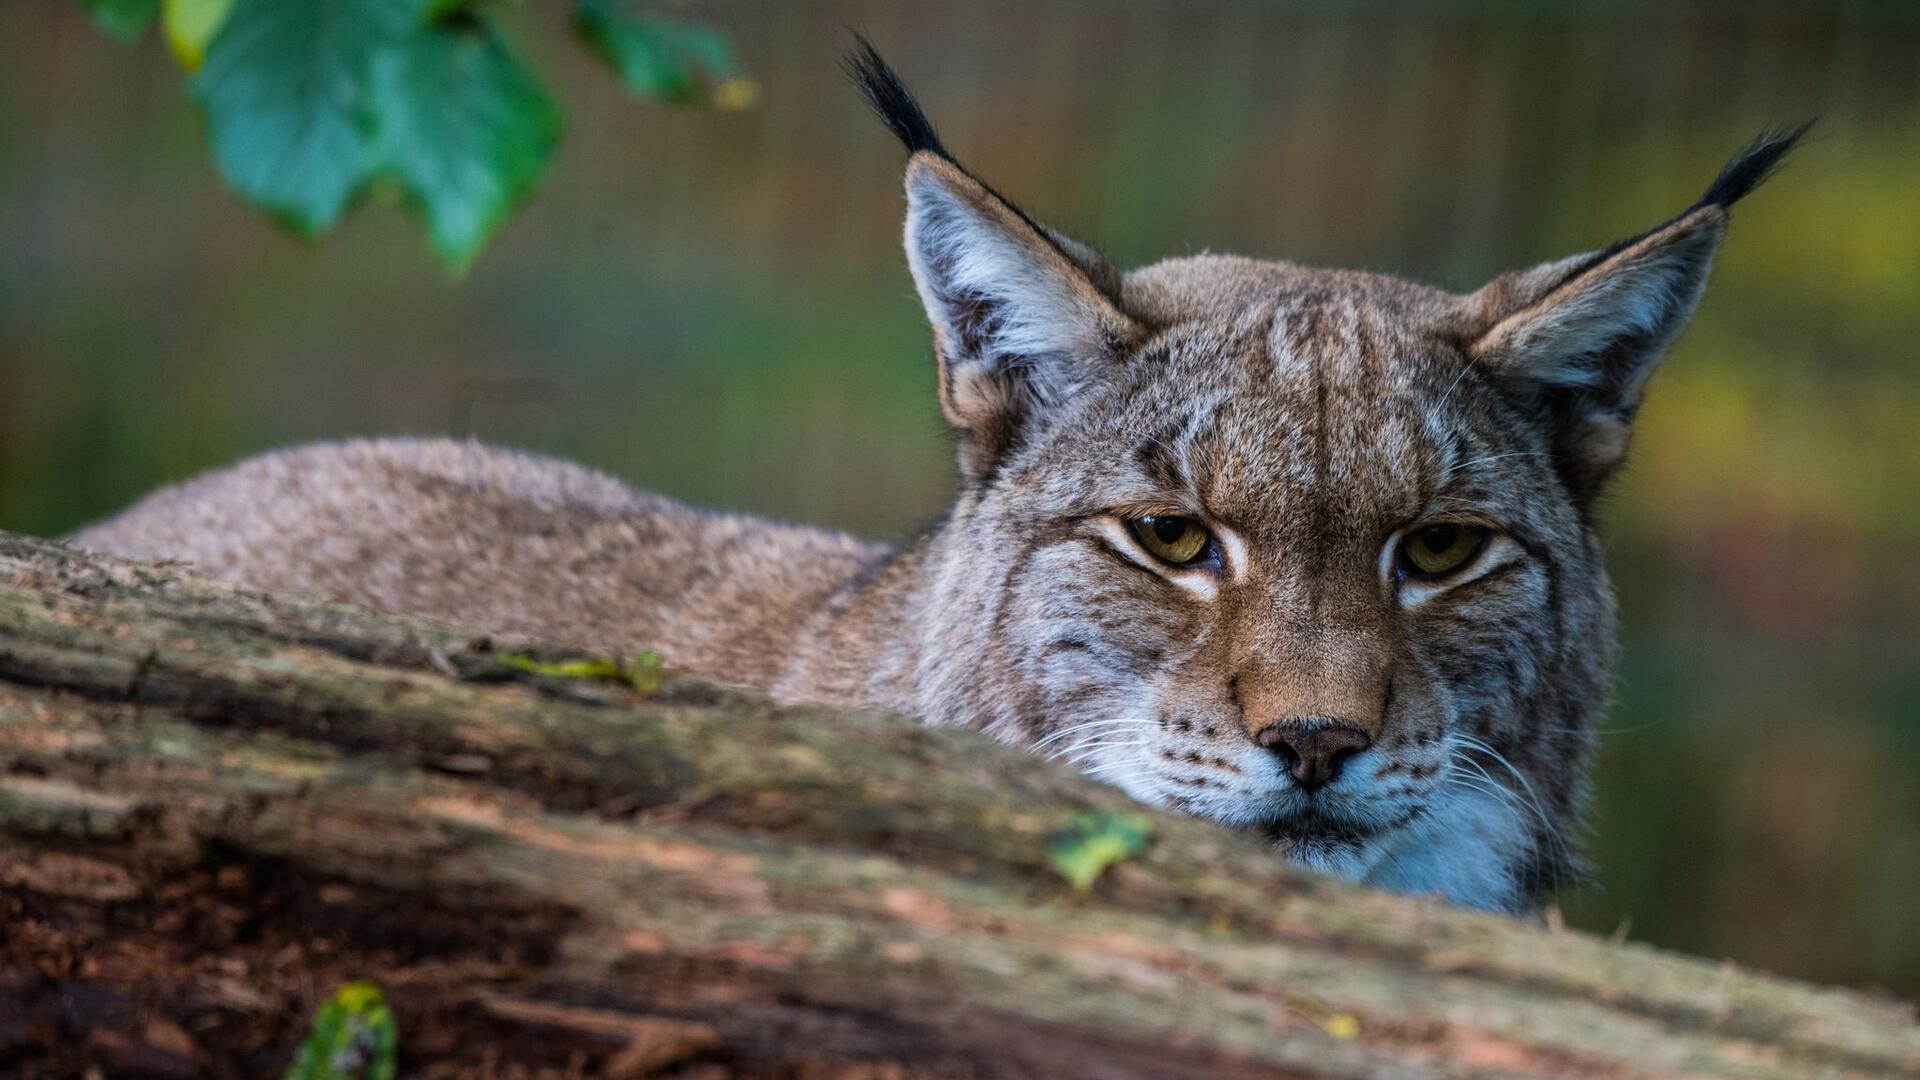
{"x": 1313, "y": 751}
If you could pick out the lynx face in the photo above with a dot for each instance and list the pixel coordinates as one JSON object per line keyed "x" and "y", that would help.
{"x": 1306, "y": 552}
{"x": 1299, "y": 569}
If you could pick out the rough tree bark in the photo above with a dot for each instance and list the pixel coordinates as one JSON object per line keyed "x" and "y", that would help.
{"x": 216, "y": 806}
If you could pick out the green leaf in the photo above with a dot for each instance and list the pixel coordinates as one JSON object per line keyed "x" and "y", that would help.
{"x": 467, "y": 128}
{"x": 681, "y": 62}
{"x": 353, "y": 1038}
{"x": 190, "y": 25}
{"x": 282, "y": 90}
{"x": 1095, "y": 842}
{"x": 124, "y": 19}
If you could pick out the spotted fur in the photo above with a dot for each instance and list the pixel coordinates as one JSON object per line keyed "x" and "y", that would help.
{"x": 1310, "y": 418}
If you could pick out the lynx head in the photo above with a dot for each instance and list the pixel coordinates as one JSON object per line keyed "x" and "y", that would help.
{"x": 1307, "y": 552}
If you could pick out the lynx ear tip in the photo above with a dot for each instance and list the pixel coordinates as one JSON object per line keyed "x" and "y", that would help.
{"x": 890, "y": 99}
{"x": 1749, "y": 168}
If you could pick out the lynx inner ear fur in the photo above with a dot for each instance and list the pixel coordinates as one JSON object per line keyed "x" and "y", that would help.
{"x": 1022, "y": 316}
{"x": 1580, "y": 337}
{"x": 1017, "y": 325}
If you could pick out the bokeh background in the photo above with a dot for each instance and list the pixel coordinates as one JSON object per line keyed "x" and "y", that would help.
{"x": 713, "y": 305}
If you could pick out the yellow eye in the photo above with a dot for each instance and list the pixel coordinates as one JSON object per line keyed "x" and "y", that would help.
{"x": 1434, "y": 551}
{"x": 1176, "y": 540}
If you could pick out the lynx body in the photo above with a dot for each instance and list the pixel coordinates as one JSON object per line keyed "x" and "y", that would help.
{"x": 1307, "y": 552}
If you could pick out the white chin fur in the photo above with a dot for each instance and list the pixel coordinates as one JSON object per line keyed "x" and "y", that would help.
{"x": 1462, "y": 849}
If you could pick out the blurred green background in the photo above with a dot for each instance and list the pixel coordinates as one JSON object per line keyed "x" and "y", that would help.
{"x": 713, "y": 305}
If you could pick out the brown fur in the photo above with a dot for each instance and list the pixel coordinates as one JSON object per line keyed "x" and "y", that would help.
{"x": 1310, "y": 418}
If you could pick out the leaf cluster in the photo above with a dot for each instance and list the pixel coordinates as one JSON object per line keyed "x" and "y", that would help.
{"x": 313, "y": 104}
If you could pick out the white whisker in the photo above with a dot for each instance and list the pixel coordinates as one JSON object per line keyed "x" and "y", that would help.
{"x": 1456, "y": 467}
{"x": 1091, "y": 725}
{"x": 1434, "y": 412}
{"x": 1080, "y": 753}
{"x": 1136, "y": 782}
{"x": 1532, "y": 800}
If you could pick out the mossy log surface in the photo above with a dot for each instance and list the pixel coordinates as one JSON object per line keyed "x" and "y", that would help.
{"x": 216, "y": 806}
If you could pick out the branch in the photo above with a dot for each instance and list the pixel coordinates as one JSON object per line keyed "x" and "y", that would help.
{"x": 217, "y": 806}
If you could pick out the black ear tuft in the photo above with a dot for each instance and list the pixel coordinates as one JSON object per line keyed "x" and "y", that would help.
{"x": 891, "y": 99}
{"x": 1751, "y": 166}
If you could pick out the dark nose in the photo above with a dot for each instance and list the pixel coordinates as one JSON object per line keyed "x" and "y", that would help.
{"x": 1314, "y": 751}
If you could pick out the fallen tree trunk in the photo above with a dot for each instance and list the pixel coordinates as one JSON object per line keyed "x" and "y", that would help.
{"x": 217, "y": 806}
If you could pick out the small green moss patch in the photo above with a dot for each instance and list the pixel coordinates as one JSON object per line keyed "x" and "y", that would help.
{"x": 353, "y": 1038}
{"x": 643, "y": 673}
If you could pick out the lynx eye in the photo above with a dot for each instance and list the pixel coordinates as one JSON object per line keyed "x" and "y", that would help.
{"x": 1180, "y": 541}
{"x": 1434, "y": 551}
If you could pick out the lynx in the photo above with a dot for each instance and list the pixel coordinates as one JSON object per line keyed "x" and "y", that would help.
{"x": 1307, "y": 552}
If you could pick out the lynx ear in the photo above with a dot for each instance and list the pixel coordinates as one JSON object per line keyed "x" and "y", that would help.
{"x": 1578, "y": 339}
{"x": 1023, "y": 318}
{"x": 1017, "y": 324}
